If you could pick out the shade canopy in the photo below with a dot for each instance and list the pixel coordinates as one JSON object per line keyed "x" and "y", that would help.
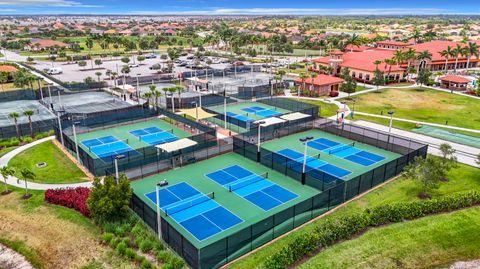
{"x": 176, "y": 145}
{"x": 295, "y": 116}
{"x": 197, "y": 113}
{"x": 269, "y": 121}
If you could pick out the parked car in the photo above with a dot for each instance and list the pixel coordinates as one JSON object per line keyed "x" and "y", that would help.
{"x": 133, "y": 65}
{"x": 54, "y": 71}
{"x": 150, "y": 56}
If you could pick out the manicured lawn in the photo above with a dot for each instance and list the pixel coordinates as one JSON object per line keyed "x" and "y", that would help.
{"x": 326, "y": 109}
{"x": 6, "y": 150}
{"x": 462, "y": 178}
{"x": 60, "y": 169}
{"x": 431, "y": 242}
{"x": 422, "y": 105}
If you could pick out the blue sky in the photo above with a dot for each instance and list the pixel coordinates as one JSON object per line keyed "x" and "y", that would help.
{"x": 250, "y": 7}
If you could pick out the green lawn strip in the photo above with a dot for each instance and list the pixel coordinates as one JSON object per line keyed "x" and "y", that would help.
{"x": 462, "y": 178}
{"x": 326, "y": 109}
{"x": 429, "y": 242}
{"x": 6, "y": 150}
{"x": 422, "y": 104}
{"x": 59, "y": 169}
{"x": 30, "y": 254}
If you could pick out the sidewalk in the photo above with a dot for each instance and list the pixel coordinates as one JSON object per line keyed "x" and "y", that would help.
{"x": 13, "y": 181}
{"x": 465, "y": 154}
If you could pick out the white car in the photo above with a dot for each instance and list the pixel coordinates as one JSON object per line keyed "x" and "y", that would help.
{"x": 55, "y": 71}
{"x": 133, "y": 65}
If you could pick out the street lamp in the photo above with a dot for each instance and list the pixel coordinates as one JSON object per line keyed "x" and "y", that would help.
{"x": 391, "y": 112}
{"x": 118, "y": 157}
{"x": 259, "y": 124}
{"x": 159, "y": 218}
{"x": 60, "y": 126}
{"x": 353, "y": 108}
{"x": 305, "y": 140}
{"x": 75, "y": 139}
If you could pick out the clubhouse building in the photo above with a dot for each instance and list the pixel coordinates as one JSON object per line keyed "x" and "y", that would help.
{"x": 360, "y": 60}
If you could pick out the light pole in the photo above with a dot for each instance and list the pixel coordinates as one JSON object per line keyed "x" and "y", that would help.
{"x": 60, "y": 126}
{"x": 391, "y": 112}
{"x": 259, "y": 124}
{"x": 353, "y": 108}
{"x": 138, "y": 90}
{"x": 75, "y": 139}
{"x": 305, "y": 140}
{"x": 118, "y": 157}
{"x": 224, "y": 107}
{"x": 50, "y": 96}
{"x": 159, "y": 218}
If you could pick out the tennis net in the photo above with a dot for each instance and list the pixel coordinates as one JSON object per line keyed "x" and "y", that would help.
{"x": 341, "y": 148}
{"x": 247, "y": 181}
{"x": 188, "y": 203}
{"x": 109, "y": 145}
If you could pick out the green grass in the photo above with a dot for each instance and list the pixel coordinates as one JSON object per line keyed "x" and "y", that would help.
{"x": 462, "y": 178}
{"x": 421, "y": 104}
{"x": 431, "y": 242}
{"x": 30, "y": 255}
{"x": 361, "y": 88}
{"x": 326, "y": 109}
{"x": 60, "y": 169}
{"x": 6, "y": 150}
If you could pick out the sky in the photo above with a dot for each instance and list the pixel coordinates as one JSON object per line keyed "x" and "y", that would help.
{"x": 241, "y": 7}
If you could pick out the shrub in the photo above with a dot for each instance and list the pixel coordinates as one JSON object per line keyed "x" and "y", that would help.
{"x": 341, "y": 228}
{"x": 145, "y": 245}
{"x": 113, "y": 243}
{"x": 107, "y": 237}
{"x": 121, "y": 230}
{"x": 71, "y": 198}
{"x": 121, "y": 247}
{"x": 164, "y": 256}
{"x": 110, "y": 201}
{"x": 146, "y": 264}
{"x": 158, "y": 246}
{"x": 130, "y": 253}
{"x": 176, "y": 262}
{"x": 139, "y": 258}
{"x": 139, "y": 230}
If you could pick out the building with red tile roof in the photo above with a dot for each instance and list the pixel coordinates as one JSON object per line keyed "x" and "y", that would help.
{"x": 321, "y": 85}
{"x": 42, "y": 44}
{"x": 8, "y": 69}
{"x": 454, "y": 82}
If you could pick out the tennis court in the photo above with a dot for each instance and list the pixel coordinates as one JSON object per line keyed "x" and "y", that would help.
{"x": 197, "y": 212}
{"x": 252, "y": 110}
{"x": 346, "y": 151}
{"x": 244, "y": 206}
{"x": 449, "y": 135}
{"x": 329, "y": 153}
{"x": 154, "y": 135}
{"x": 134, "y": 136}
{"x": 252, "y": 187}
{"x": 107, "y": 147}
{"x": 261, "y": 111}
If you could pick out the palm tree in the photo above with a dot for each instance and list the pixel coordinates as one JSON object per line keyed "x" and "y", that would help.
{"x": 303, "y": 76}
{"x": 423, "y": 55}
{"x": 446, "y": 53}
{"x": 377, "y": 63}
{"x": 471, "y": 50}
{"x": 15, "y": 116}
{"x": 398, "y": 57}
{"x": 179, "y": 89}
{"x": 27, "y": 175}
{"x": 313, "y": 75}
{"x": 3, "y": 79}
{"x": 389, "y": 62}
{"x": 98, "y": 74}
{"x": 409, "y": 56}
{"x": 6, "y": 171}
{"x": 457, "y": 51}
{"x": 172, "y": 90}
{"x": 29, "y": 114}
{"x": 147, "y": 96}
{"x": 353, "y": 41}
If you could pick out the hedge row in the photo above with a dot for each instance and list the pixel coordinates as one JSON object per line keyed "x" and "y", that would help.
{"x": 332, "y": 230}
{"x": 72, "y": 198}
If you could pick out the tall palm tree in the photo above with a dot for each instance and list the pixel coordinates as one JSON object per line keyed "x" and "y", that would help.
{"x": 471, "y": 50}
{"x": 303, "y": 76}
{"x": 354, "y": 40}
{"x": 3, "y": 79}
{"x": 172, "y": 90}
{"x": 446, "y": 53}
{"x": 15, "y": 116}
{"x": 147, "y": 96}
{"x": 409, "y": 56}
{"x": 6, "y": 171}
{"x": 398, "y": 57}
{"x": 313, "y": 75}
{"x": 457, "y": 51}
{"x": 27, "y": 175}
{"x": 29, "y": 114}
{"x": 377, "y": 63}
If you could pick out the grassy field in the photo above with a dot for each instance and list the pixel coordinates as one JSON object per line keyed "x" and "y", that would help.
{"x": 384, "y": 240}
{"x": 52, "y": 236}
{"x": 60, "y": 169}
{"x": 422, "y": 105}
{"x": 326, "y": 109}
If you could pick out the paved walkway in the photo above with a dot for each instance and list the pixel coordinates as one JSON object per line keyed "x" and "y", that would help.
{"x": 14, "y": 181}
{"x": 465, "y": 154}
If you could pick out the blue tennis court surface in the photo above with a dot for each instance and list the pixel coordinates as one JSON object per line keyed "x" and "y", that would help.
{"x": 198, "y": 213}
{"x": 347, "y": 152}
{"x": 252, "y": 187}
{"x": 239, "y": 117}
{"x": 108, "y": 146}
{"x": 260, "y": 111}
{"x": 312, "y": 163}
{"x": 154, "y": 135}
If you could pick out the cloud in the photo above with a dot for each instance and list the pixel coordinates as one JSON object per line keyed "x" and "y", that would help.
{"x": 45, "y": 3}
{"x": 303, "y": 11}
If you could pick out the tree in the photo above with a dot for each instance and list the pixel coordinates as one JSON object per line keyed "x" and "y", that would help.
{"x": 15, "y": 116}
{"x": 424, "y": 76}
{"x": 109, "y": 201}
{"x": 378, "y": 78}
{"x": 7, "y": 171}
{"x": 98, "y": 62}
{"x": 448, "y": 158}
{"x": 427, "y": 172}
{"x": 125, "y": 60}
{"x": 471, "y": 50}
{"x": 3, "y": 79}
{"x": 98, "y": 74}
{"x": 409, "y": 56}
{"x": 303, "y": 76}
{"x": 349, "y": 85}
{"x": 140, "y": 58}
{"x": 457, "y": 51}
{"x": 82, "y": 63}
{"x": 27, "y": 175}
{"x": 446, "y": 53}
{"x": 29, "y": 114}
